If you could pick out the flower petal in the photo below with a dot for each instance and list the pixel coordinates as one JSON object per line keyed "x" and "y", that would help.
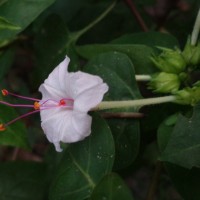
{"x": 87, "y": 90}
{"x": 80, "y": 82}
{"x": 49, "y": 92}
{"x": 65, "y": 126}
{"x": 90, "y": 98}
{"x": 56, "y": 80}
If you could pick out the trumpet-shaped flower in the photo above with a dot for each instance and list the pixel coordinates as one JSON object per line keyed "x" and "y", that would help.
{"x": 66, "y": 99}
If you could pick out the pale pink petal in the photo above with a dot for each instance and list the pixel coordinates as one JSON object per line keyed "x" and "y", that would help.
{"x": 65, "y": 126}
{"x": 49, "y": 92}
{"x": 80, "y": 82}
{"x": 90, "y": 98}
{"x": 56, "y": 80}
{"x": 81, "y": 123}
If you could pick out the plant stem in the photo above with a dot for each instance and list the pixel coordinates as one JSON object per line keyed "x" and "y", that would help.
{"x": 196, "y": 29}
{"x": 154, "y": 183}
{"x": 136, "y": 14}
{"x": 136, "y": 115}
{"x": 134, "y": 103}
{"x": 142, "y": 77}
{"x": 98, "y": 19}
{"x": 14, "y": 154}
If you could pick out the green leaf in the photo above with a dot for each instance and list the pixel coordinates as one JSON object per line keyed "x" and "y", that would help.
{"x": 165, "y": 130}
{"x": 84, "y": 164}
{"x": 2, "y": 2}
{"x": 186, "y": 181}
{"x": 21, "y": 13}
{"x": 6, "y": 60}
{"x": 126, "y": 133}
{"x": 139, "y": 54}
{"x": 183, "y": 147}
{"x": 111, "y": 187}
{"x": 21, "y": 180}
{"x": 49, "y": 54}
{"x": 117, "y": 71}
{"x": 72, "y": 7}
{"x": 152, "y": 39}
{"x": 5, "y": 24}
{"x": 15, "y": 134}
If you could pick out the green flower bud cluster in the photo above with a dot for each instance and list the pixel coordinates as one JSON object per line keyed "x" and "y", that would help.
{"x": 175, "y": 67}
{"x": 172, "y": 66}
{"x": 170, "y": 61}
{"x": 164, "y": 82}
{"x": 189, "y": 96}
{"x": 191, "y": 53}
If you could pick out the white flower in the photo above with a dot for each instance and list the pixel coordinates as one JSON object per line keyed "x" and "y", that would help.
{"x": 66, "y": 99}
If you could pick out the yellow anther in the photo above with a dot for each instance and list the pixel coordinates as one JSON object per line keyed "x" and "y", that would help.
{"x": 2, "y": 127}
{"x": 36, "y": 105}
{"x": 4, "y": 92}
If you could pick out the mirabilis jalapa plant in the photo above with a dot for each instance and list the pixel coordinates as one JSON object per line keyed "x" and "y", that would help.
{"x": 68, "y": 96}
{"x": 91, "y": 116}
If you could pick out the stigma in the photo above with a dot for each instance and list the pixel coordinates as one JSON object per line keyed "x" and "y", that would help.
{"x": 36, "y": 106}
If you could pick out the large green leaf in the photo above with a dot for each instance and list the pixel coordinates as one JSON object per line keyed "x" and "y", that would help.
{"x": 139, "y": 54}
{"x": 152, "y": 39}
{"x": 84, "y": 164}
{"x": 15, "y": 134}
{"x": 21, "y": 13}
{"x": 6, "y": 59}
{"x": 111, "y": 187}
{"x": 126, "y": 133}
{"x": 155, "y": 115}
{"x": 137, "y": 46}
{"x": 22, "y": 181}
{"x": 165, "y": 130}
{"x": 5, "y": 24}
{"x": 183, "y": 147}
{"x": 185, "y": 180}
{"x": 49, "y": 54}
{"x": 72, "y": 7}
{"x": 117, "y": 71}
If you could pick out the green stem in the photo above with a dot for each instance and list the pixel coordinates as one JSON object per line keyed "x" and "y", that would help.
{"x": 142, "y": 77}
{"x": 88, "y": 27}
{"x": 137, "y": 15}
{"x": 196, "y": 29}
{"x": 154, "y": 183}
{"x": 134, "y": 103}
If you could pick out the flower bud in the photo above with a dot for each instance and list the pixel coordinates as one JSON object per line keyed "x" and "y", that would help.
{"x": 189, "y": 96}
{"x": 184, "y": 96}
{"x": 191, "y": 53}
{"x": 164, "y": 83}
{"x": 170, "y": 61}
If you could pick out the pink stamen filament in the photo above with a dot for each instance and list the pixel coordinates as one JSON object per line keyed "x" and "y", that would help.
{"x": 20, "y": 117}
{"x": 23, "y": 97}
{"x": 32, "y": 112}
{"x": 56, "y": 106}
{"x": 67, "y": 99}
{"x": 39, "y": 108}
{"x": 16, "y": 105}
{"x": 49, "y": 100}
